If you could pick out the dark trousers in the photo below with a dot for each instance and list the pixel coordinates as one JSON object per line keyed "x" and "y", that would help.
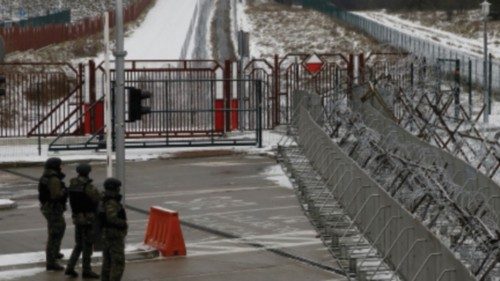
{"x": 113, "y": 258}
{"x": 83, "y": 245}
{"x": 56, "y": 226}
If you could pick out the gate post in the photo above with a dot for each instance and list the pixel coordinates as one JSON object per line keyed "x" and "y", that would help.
{"x": 276, "y": 105}
{"x": 227, "y": 95}
{"x": 92, "y": 98}
{"x": 92, "y": 82}
{"x": 81, "y": 102}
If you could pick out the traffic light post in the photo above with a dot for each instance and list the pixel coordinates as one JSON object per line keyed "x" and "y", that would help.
{"x": 135, "y": 107}
{"x": 3, "y": 85}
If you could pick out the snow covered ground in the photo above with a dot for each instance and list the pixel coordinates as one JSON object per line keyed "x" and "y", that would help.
{"x": 281, "y": 29}
{"x": 28, "y": 153}
{"x": 6, "y": 204}
{"x": 162, "y": 33}
{"x": 277, "y": 175}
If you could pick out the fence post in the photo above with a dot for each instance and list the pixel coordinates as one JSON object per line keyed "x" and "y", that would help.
{"x": 361, "y": 68}
{"x": 276, "y": 107}
{"x": 412, "y": 74}
{"x": 38, "y": 94}
{"x": 81, "y": 79}
{"x": 92, "y": 82}
{"x": 457, "y": 89}
{"x": 470, "y": 88}
{"x": 258, "y": 89}
{"x": 227, "y": 95}
{"x": 490, "y": 78}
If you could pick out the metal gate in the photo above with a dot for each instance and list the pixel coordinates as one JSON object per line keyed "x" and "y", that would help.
{"x": 194, "y": 102}
{"x": 192, "y": 105}
{"x": 41, "y": 98}
{"x": 285, "y": 75}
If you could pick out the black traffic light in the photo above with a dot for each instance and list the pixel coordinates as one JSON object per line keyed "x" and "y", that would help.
{"x": 3, "y": 85}
{"x": 135, "y": 108}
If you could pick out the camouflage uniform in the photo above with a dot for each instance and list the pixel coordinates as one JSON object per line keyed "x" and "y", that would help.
{"x": 84, "y": 199}
{"x": 114, "y": 223}
{"x": 53, "y": 197}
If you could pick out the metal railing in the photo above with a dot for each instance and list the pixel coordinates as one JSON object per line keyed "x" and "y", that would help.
{"x": 41, "y": 97}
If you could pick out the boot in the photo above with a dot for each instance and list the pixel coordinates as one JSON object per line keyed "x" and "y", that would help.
{"x": 71, "y": 273}
{"x": 90, "y": 275}
{"x": 55, "y": 267}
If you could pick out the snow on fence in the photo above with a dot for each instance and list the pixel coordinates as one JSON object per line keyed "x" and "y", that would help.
{"x": 26, "y": 38}
{"x": 422, "y": 47}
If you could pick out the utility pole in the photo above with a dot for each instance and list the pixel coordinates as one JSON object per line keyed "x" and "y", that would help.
{"x": 120, "y": 55}
{"x": 107, "y": 100}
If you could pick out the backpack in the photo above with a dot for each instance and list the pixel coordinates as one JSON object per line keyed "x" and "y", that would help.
{"x": 78, "y": 199}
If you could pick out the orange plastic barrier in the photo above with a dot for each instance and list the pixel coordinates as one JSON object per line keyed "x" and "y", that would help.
{"x": 164, "y": 232}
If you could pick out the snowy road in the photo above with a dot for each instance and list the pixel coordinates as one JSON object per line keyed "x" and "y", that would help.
{"x": 163, "y": 31}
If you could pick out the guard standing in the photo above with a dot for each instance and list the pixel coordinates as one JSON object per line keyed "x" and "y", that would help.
{"x": 84, "y": 199}
{"x": 114, "y": 223}
{"x": 52, "y": 194}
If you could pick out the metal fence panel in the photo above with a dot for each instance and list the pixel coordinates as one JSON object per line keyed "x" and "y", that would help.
{"x": 421, "y": 47}
{"x": 413, "y": 251}
{"x": 41, "y": 100}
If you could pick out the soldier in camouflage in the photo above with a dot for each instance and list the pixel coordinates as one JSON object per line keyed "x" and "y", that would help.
{"x": 84, "y": 199}
{"x": 114, "y": 222}
{"x": 52, "y": 194}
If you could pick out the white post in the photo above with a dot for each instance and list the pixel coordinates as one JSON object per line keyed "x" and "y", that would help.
{"x": 107, "y": 99}
{"x": 119, "y": 101}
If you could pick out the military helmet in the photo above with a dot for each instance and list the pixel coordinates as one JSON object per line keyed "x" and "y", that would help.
{"x": 112, "y": 184}
{"x": 83, "y": 169}
{"x": 53, "y": 163}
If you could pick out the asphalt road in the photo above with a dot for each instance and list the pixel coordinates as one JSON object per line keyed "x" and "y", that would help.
{"x": 238, "y": 224}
